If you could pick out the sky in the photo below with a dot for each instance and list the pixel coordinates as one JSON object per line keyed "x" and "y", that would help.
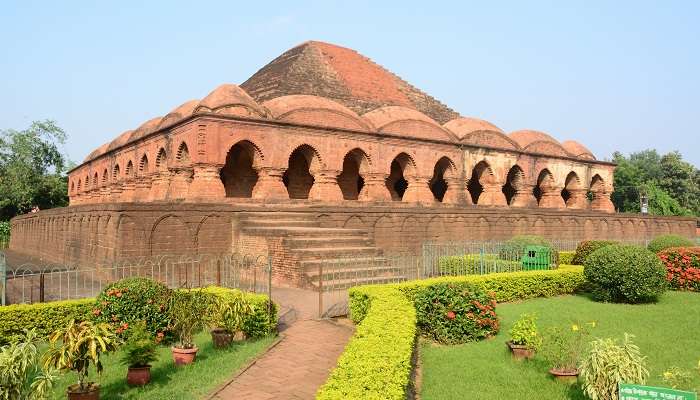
{"x": 615, "y": 76}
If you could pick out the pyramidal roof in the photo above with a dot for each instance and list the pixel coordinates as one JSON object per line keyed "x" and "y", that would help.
{"x": 343, "y": 75}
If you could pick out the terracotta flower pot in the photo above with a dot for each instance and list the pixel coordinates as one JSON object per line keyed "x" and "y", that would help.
{"x": 565, "y": 376}
{"x": 138, "y": 376}
{"x": 91, "y": 393}
{"x": 521, "y": 352}
{"x": 184, "y": 356}
{"x": 221, "y": 338}
{"x": 239, "y": 336}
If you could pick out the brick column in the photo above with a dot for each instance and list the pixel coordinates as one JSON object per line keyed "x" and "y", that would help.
{"x": 551, "y": 197}
{"x": 601, "y": 202}
{"x": 455, "y": 191}
{"x": 524, "y": 197}
{"x": 160, "y": 183}
{"x": 492, "y": 195}
{"x": 270, "y": 185}
{"x": 104, "y": 194}
{"x": 142, "y": 188}
{"x": 206, "y": 182}
{"x": 375, "y": 188}
{"x": 326, "y": 186}
{"x": 115, "y": 192}
{"x": 128, "y": 188}
{"x": 418, "y": 190}
{"x": 179, "y": 182}
{"x": 578, "y": 200}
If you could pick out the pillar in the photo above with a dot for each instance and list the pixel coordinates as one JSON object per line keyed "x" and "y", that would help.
{"x": 456, "y": 190}
{"x": 578, "y": 199}
{"x": 418, "y": 190}
{"x": 325, "y": 187}
{"x": 270, "y": 185}
{"x": 206, "y": 182}
{"x": 492, "y": 195}
{"x": 375, "y": 188}
{"x": 142, "y": 188}
{"x": 524, "y": 196}
{"x": 160, "y": 183}
{"x": 128, "y": 189}
{"x": 601, "y": 202}
{"x": 551, "y": 197}
{"x": 180, "y": 178}
{"x": 115, "y": 192}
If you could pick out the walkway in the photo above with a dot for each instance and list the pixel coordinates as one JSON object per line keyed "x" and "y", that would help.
{"x": 297, "y": 366}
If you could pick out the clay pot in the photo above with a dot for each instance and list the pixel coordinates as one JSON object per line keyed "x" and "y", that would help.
{"x": 521, "y": 352}
{"x": 92, "y": 392}
{"x": 221, "y": 338}
{"x": 184, "y": 356}
{"x": 239, "y": 336}
{"x": 562, "y": 376}
{"x": 138, "y": 376}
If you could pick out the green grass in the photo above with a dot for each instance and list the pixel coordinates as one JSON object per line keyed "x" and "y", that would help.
{"x": 212, "y": 368}
{"x": 666, "y": 332}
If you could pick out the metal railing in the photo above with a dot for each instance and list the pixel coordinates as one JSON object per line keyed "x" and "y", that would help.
{"x": 31, "y": 283}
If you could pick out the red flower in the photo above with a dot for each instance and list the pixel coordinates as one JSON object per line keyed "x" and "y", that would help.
{"x": 451, "y": 315}
{"x": 96, "y": 311}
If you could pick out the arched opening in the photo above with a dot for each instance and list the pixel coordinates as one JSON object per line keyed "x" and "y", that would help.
{"x": 514, "y": 180}
{"x": 438, "y": 184}
{"x": 183, "y": 155}
{"x": 104, "y": 177}
{"x": 480, "y": 174}
{"x": 96, "y": 180}
{"x": 351, "y": 180}
{"x": 545, "y": 180}
{"x": 572, "y": 183}
{"x": 72, "y": 187}
{"x": 115, "y": 173}
{"x": 396, "y": 183}
{"x": 161, "y": 160}
{"x": 238, "y": 174}
{"x": 298, "y": 178}
{"x": 143, "y": 165}
{"x": 87, "y": 182}
{"x": 129, "y": 169}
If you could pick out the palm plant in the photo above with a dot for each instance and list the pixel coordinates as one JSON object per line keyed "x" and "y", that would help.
{"x": 20, "y": 375}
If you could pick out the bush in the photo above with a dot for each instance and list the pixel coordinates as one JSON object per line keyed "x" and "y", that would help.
{"x": 452, "y": 314}
{"x": 131, "y": 300}
{"x": 567, "y": 257}
{"x": 682, "y": 267}
{"x": 585, "y": 248}
{"x": 624, "y": 273}
{"x": 4, "y": 230}
{"x": 44, "y": 318}
{"x": 139, "y": 350}
{"x": 262, "y": 320}
{"x": 514, "y": 248}
{"x": 665, "y": 241}
{"x": 474, "y": 264}
{"x": 525, "y": 333}
{"x": 376, "y": 363}
{"x": 21, "y": 374}
{"x": 609, "y": 364}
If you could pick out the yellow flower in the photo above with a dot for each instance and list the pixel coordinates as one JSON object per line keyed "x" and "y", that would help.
{"x": 592, "y": 324}
{"x": 574, "y": 327}
{"x": 668, "y": 375}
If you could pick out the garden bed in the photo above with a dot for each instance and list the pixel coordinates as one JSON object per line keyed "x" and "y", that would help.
{"x": 195, "y": 381}
{"x": 665, "y": 333}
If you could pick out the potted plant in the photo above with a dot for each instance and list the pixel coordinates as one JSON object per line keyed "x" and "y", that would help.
{"x": 563, "y": 349}
{"x": 524, "y": 338}
{"x": 227, "y": 317}
{"x": 139, "y": 353}
{"x": 188, "y": 311}
{"x": 74, "y": 348}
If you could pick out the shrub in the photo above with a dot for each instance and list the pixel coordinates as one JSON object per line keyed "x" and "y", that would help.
{"x": 586, "y": 247}
{"x": 452, "y": 314}
{"x": 682, "y": 267}
{"x": 229, "y": 312}
{"x": 131, "y": 300}
{"x": 139, "y": 348}
{"x": 262, "y": 320}
{"x": 624, "y": 273}
{"x": 567, "y": 257}
{"x": 474, "y": 264}
{"x": 44, "y": 318}
{"x": 188, "y": 311}
{"x": 609, "y": 364}
{"x": 21, "y": 377}
{"x": 563, "y": 347}
{"x": 665, "y": 241}
{"x": 4, "y": 230}
{"x": 524, "y": 332}
{"x": 376, "y": 363}
{"x": 514, "y": 248}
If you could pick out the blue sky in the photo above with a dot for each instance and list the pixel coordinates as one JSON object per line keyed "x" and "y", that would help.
{"x": 618, "y": 75}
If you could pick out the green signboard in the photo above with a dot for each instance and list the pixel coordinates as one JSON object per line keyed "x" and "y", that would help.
{"x": 639, "y": 392}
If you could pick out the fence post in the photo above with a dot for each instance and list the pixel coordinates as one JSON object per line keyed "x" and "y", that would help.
{"x": 218, "y": 272}
{"x": 269, "y": 287}
{"x": 3, "y": 278}
{"x": 41, "y": 287}
{"x": 320, "y": 289}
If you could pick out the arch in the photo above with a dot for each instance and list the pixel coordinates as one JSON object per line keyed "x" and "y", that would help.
{"x": 116, "y": 172}
{"x": 239, "y": 175}
{"x": 72, "y": 186}
{"x": 87, "y": 182}
{"x": 161, "y": 160}
{"x": 170, "y": 236}
{"x": 352, "y": 179}
{"x": 105, "y": 177}
{"x": 597, "y": 183}
{"x": 481, "y": 174}
{"x": 129, "y": 169}
{"x": 183, "y": 155}
{"x": 143, "y": 165}
{"x": 96, "y": 180}
{"x": 572, "y": 182}
{"x": 298, "y": 178}
{"x": 214, "y": 235}
{"x": 545, "y": 180}
{"x": 514, "y": 180}
{"x": 131, "y": 236}
{"x": 444, "y": 167}
{"x": 401, "y": 166}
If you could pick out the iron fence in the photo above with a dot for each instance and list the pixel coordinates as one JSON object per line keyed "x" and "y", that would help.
{"x": 31, "y": 283}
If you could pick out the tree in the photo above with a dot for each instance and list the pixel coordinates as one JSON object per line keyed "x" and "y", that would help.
{"x": 32, "y": 169}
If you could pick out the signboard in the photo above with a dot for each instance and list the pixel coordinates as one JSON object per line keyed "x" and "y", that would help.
{"x": 639, "y": 392}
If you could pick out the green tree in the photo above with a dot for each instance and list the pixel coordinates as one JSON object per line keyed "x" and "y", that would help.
{"x": 32, "y": 169}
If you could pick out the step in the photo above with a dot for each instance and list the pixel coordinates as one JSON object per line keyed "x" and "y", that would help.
{"x": 280, "y": 223}
{"x": 350, "y": 241}
{"x": 302, "y": 231}
{"x": 335, "y": 252}
{"x": 343, "y": 284}
{"x": 331, "y": 274}
{"x": 278, "y": 215}
{"x": 310, "y": 265}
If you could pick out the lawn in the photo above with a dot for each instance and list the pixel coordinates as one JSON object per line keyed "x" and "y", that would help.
{"x": 666, "y": 332}
{"x": 212, "y": 368}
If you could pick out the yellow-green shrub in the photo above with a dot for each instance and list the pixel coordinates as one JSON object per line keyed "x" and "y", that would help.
{"x": 566, "y": 257}
{"x": 44, "y": 317}
{"x": 262, "y": 321}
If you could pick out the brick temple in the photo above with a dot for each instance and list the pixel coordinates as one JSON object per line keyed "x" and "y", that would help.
{"x": 323, "y": 153}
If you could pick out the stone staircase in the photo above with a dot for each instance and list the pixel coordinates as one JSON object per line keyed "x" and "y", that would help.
{"x": 343, "y": 257}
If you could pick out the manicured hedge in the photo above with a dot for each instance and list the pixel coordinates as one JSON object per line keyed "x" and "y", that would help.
{"x": 682, "y": 267}
{"x": 47, "y": 317}
{"x": 666, "y": 241}
{"x": 567, "y": 257}
{"x": 586, "y": 247}
{"x": 514, "y": 248}
{"x": 376, "y": 363}
{"x": 44, "y": 317}
{"x": 470, "y": 264}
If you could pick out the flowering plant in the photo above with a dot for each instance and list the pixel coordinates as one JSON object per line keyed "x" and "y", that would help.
{"x": 564, "y": 346}
{"x": 524, "y": 332}
{"x": 682, "y": 267}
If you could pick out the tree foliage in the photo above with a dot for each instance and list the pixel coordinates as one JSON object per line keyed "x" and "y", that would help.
{"x": 672, "y": 185}
{"x": 32, "y": 169}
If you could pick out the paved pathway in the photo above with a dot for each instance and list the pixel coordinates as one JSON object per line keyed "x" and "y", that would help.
{"x": 297, "y": 366}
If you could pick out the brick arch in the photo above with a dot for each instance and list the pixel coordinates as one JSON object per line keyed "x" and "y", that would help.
{"x": 131, "y": 237}
{"x": 182, "y": 156}
{"x": 143, "y": 164}
{"x": 116, "y": 172}
{"x": 129, "y": 170}
{"x": 170, "y": 236}
{"x": 356, "y": 164}
{"x": 515, "y": 181}
{"x": 482, "y": 174}
{"x": 402, "y": 166}
{"x": 354, "y": 222}
{"x": 436, "y": 231}
{"x": 444, "y": 169}
{"x": 239, "y": 174}
{"x": 213, "y": 235}
{"x": 161, "y": 160}
{"x": 304, "y": 162}
{"x": 411, "y": 232}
